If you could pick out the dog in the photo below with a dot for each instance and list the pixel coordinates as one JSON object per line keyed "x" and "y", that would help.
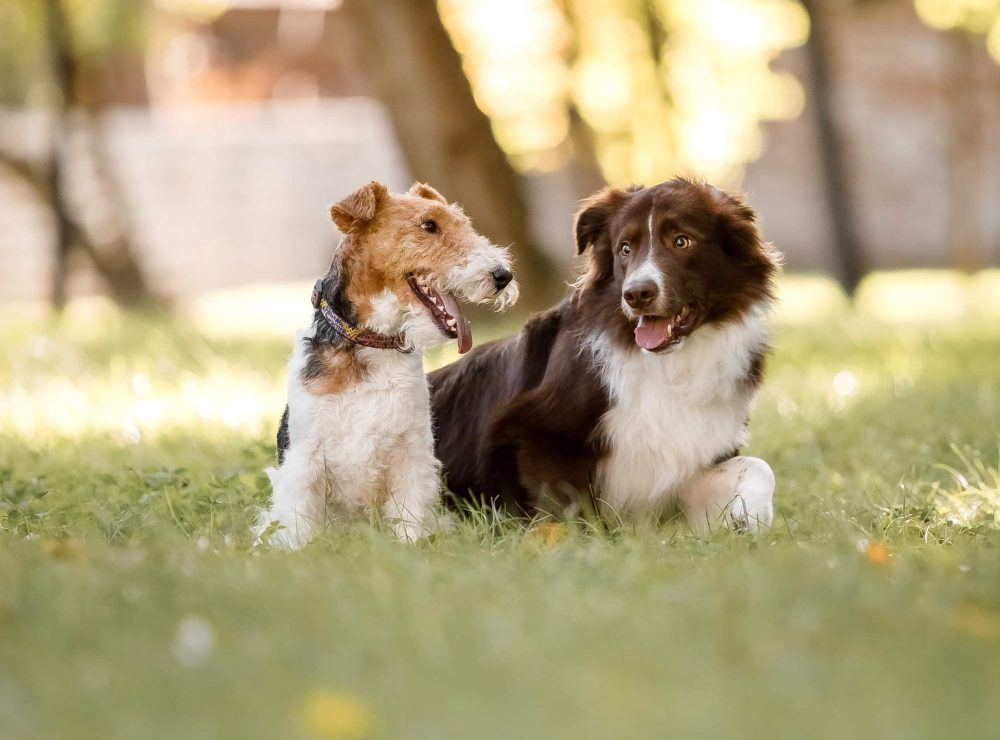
{"x": 355, "y": 437}
{"x": 630, "y": 397}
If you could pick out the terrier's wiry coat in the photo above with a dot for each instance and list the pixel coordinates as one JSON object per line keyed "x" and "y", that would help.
{"x": 356, "y": 435}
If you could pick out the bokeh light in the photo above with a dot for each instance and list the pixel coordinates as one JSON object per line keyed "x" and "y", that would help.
{"x": 976, "y": 16}
{"x": 664, "y": 87}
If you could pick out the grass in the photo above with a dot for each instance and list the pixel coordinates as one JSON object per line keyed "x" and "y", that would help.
{"x": 131, "y": 605}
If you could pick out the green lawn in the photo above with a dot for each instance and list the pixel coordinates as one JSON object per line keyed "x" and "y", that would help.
{"x": 131, "y": 605}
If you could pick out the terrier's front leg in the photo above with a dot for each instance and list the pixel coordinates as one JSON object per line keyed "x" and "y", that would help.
{"x": 411, "y": 488}
{"x": 737, "y": 493}
{"x": 297, "y": 508}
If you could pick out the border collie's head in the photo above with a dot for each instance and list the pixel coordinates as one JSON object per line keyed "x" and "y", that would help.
{"x": 671, "y": 258}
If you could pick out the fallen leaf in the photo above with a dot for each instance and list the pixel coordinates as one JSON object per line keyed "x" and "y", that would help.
{"x": 337, "y": 715}
{"x": 69, "y": 549}
{"x": 878, "y": 554}
{"x": 975, "y": 621}
{"x": 549, "y": 534}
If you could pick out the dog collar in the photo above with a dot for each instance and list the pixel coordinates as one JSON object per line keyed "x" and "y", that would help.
{"x": 364, "y": 337}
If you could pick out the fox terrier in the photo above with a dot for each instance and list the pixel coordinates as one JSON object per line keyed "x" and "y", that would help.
{"x": 355, "y": 437}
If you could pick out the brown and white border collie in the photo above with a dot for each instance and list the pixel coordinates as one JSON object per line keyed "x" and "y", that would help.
{"x": 355, "y": 438}
{"x": 632, "y": 395}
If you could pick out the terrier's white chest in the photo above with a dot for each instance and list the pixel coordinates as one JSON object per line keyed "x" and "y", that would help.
{"x": 355, "y": 438}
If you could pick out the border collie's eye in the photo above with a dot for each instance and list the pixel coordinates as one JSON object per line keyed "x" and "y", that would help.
{"x": 682, "y": 241}
{"x": 625, "y": 249}
{"x": 429, "y": 226}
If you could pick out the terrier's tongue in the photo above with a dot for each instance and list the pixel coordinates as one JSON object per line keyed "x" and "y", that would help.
{"x": 464, "y": 328}
{"x": 652, "y": 331}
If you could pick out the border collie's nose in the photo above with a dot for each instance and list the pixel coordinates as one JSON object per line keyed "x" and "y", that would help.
{"x": 640, "y": 294}
{"x": 502, "y": 277}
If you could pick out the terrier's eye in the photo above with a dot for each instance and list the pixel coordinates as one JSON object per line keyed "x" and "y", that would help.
{"x": 429, "y": 226}
{"x": 682, "y": 242}
{"x": 625, "y": 249}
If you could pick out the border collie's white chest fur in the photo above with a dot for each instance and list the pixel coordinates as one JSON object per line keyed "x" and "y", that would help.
{"x": 673, "y": 414}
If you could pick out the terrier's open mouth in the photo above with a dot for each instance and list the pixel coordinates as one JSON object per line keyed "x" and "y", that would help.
{"x": 656, "y": 333}
{"x": 444, "y": 309}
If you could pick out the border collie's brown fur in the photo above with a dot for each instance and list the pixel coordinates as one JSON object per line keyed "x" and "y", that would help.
{"x": 633, "y": 392}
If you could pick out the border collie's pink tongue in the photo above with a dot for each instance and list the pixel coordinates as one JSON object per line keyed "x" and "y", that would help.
{"x": 461, "y": 323}
{"x": 652, "y": 331}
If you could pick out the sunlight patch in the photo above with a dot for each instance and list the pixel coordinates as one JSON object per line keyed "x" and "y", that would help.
{"x": 976, "y": 501}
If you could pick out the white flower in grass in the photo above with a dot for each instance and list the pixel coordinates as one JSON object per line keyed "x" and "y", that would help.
{"x": 195, "y": 640}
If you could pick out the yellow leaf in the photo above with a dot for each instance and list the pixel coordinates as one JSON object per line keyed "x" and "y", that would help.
{"x": 337, "y": 715}
{"x": 976, "y": 621}
{"x": 549, "y": 534}
{"x": 69, "y": 549}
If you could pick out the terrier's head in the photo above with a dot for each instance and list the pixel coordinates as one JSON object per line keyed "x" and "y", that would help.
{"x": 407, "y": 261}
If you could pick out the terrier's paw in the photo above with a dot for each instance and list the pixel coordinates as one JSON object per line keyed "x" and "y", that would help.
{"x": 407, "y": 530}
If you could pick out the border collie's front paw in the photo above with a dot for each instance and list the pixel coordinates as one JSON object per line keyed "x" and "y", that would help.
{"x": 737, "y": 493}
{"x": 752, "y": 508}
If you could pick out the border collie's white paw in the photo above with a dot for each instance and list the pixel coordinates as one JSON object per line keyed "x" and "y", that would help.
{"x": 752, "y": 509}
{"x": 737, "y": 493}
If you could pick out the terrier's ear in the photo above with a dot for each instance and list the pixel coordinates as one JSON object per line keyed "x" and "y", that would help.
{"x": 593, "y": 216}
{"x": 355, "y": 211}
{"x": 333, "y": 287}
{"x": 423, "y": 190}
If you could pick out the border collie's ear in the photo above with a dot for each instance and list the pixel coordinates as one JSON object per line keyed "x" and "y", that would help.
{"x": 358, "y": 208}
{"x": 594, "y": 214}
{"x": 743, "y": 234}
{"x": 423, "y": 190}
{"x": 732, "y": 204}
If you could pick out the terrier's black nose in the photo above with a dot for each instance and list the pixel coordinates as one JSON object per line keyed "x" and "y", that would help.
{"x": 502, "y": 277}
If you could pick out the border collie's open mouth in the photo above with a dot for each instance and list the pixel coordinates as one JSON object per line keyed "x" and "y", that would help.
{"x": 656, "y": 333}
{"x": 444, "y": 309}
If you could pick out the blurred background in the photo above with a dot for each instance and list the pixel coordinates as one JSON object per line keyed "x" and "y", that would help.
{"x": 166, "y": 168}
{"x": 169, "y": 152}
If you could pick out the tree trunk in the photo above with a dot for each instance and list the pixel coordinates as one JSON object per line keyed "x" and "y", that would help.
{"x": 965, "y": 156}
{"x": 406, "y": 54}
{"x": 115, "y": 261}
{"x": 850, "y": 267}
{"x": 64, "y": 74}
{"x": 63, "y": 232}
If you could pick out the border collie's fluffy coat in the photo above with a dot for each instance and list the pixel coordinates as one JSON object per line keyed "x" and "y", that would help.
{"x": 356, "y": 435}
{"x": 631, "y": 395}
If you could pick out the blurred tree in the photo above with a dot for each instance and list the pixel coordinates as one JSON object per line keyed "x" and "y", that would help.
{"x": 406, "y": 52}
{"x": 964, "y": 21}
{"x": 660, "y": 87}
{"x": 965, "y": 155}
{"x": 79, "y": 47}
{"x": 850, "y": 267}
{"x": 587, "y": 174}
{"x": 978, "y": 17}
